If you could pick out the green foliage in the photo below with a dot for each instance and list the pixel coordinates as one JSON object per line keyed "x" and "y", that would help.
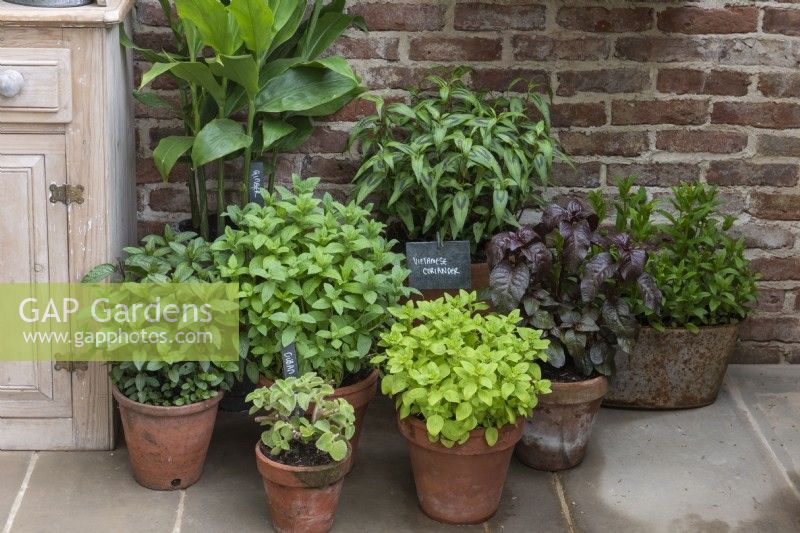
{"x": 174, "y": 258}
{"x": 257, "y": 58}
{"x": 460, "y": 369}
{"x": 455, "y": 164}
{"x": 702, "y": 271}
{"x": 287, "y": 403}
{"x": 314, "y": 272}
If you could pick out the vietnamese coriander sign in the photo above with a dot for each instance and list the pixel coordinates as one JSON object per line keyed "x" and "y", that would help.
{"x": 436, "y": 265}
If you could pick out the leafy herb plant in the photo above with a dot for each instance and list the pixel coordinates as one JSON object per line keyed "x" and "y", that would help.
{"x": 702, "y": 271}
{"x": 174, "y": 258}
{"x": 573, "y": 282}
{"x": 455, "y": 163}
{"x": 459, "y": 369}
{"x": 296, "y": 413}
{"x": 313, "y": 272}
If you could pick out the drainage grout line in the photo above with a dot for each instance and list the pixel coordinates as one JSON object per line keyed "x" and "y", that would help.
{"x": 562, "y": 499}
{"x": 738, "y": 399}
{"x": 23, "y": 488}
{"x": 179, "y": 513}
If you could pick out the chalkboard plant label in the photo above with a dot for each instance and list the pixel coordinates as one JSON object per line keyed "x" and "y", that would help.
{"x": 290, "y": 366}
{"x": 256, "y": 182}
{"x": 435, "y": 265}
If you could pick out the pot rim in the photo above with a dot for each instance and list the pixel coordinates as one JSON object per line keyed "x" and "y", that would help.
{"x": 161, "y": 411}
{"x": 359, "y": 385}
{"x": 265, "y": 459}
{"x": 574, "y": 392}
{"x": 474, "y": 445}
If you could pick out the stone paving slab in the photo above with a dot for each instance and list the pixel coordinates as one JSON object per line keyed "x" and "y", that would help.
{"x": 692, "y": 470}
{"x": 13, "y": 466}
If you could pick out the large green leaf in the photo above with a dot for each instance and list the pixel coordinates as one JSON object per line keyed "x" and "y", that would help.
{"x": 303, "y": 88}
{"x": 241, "y": 69}
{"x": 461, "y": 205}
{"x": 156, "y": 70}
{"x": 219, "y": 138}
{"x": 168, "y": 151}
{"x": 288, "y": 15}
{"x": 255, "y": 21}
{"x": 191, "y": 71}
{"x": 303, "y": 128}
{"x": 216, "y": 25}
{"x": 329, "y": 108}
{"x": 273, "y": 131}
{"x": 329, "y": 27}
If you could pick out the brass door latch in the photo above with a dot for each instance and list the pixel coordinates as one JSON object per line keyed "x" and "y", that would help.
{"x": 66, "y": 194}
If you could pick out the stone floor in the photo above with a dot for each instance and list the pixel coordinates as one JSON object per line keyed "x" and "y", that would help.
{"x": 733, "y": 466}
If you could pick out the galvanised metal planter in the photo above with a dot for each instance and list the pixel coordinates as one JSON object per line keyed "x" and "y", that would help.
{"x": 51, "y": 3}
{"x": 673, "y": 369}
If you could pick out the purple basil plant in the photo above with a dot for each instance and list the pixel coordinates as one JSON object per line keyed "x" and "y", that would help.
{"x": 572, "y": 281}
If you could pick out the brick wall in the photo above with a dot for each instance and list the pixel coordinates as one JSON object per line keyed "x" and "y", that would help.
{"x": 667, "y": 90}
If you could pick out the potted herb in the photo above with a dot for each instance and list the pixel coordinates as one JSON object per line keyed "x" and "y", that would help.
{"x": 574, "y": 283}
{"x": 317, "y": 274}
{"x": 303, "y": 455}
{"x": 455, "y": 164}
{"x": 683, "y": 353}
{"x": 462, "y": 381}
{"x": 246, "y": 59}
{"x": 168, "y": 409}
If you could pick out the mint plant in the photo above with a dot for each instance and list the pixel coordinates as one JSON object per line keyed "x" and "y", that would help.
{"x": 573, "y": 281}
{"x": 297, "y": 413}
{"x": 701, "y": 270}
{"x": 460, "y": 369}
{"x": 456, "y": 163}
{"x": 314, "y": 272}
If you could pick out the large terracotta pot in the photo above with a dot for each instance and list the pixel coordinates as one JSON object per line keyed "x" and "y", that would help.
{"x": 555, "y": 436}
{"x": 358, "y": 395}
{"x": 167, "y": 446}
{"x": 480, "y": 281}
{"x": 462, "y": 484}
{"x": 673, "y": 369}
{"x": 302, "y": 499}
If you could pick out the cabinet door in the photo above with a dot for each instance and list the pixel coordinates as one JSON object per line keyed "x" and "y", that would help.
{"x": 35, "y": 398}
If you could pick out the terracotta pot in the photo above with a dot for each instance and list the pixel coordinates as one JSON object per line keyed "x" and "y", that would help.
{"x": 302, "y": 499}
{"x": 555, "y": 436}
{"x": 358, "y": 395}
{"x": 167, "y": 446}
{"x": 673, "y": 369}
{"x": 480, "y": 281}
{"x": 462, "y": 484}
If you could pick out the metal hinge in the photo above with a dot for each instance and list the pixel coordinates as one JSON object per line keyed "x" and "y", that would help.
{"x": 66, "y": 194}
{"x": 71, "y": 366}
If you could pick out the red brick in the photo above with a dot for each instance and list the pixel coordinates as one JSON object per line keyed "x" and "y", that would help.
{"x": 149, "y": 13}
{"x": 161, "y": 131}
{"x": 357, "y": 109}
{"x": 745, "y": 173}
{"x": 627, "y": 143}
{"x": 149, "y": 227}
{"x": 445, "y": 48}
{"x": 367, "y": 47}
{"x": 778, "y": 145}
{"x": 626, "y": 112}
{"x": 660, "y": 49}
{"x": 332, "y": 170}
{"x": 654, "y": 174}
{"x": 777, "y": 268}
{"x": 163, "y": 82}
{"x": 756, "y": 353}
{"x": 776, "y": 206}
{"x": 699, "y": 20}
{"x": 391, "y": 77}
{"x": 601, "y": 19}
{"x": 784, "y": 21}
{"x": 720, "y": 51}
{"x": 775, "y": 115}
{"x": 325, "y": 140}
{"x": 401, "y": 17}
{"x": 602, "y": 81}
{"x": 771, "y": 300}
{"x": 582, "y": 115}
{"x": 169, "y": 200}
{"x": 547, "y": 48}
{"x": 491, "y": 16}
{"x": 499, "y": 79}
{"x": 146, "y": 172}
{"x": 793, "y": 353}
{"x": 718, "y": 82}
{"x": 694, "y": 141}
{"x": 767, "y": 328}
{"x": 582, "y": 175}
{"x": 144, "y": 111}
{"x": 779, "y": 85}
{"x": 155, "y": 38}
{"x": 797, "y": 300}
{"x": 763, "y": 236}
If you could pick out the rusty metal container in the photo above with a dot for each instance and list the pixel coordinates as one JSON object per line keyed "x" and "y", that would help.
{"x": 673, "y": 369}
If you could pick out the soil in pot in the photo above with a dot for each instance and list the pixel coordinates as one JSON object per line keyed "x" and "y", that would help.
{"x": 673, "y": 369}
{"x": 302, "y": 497}
{"x": 462, "y": 484}
{"x": 556, "y": 435}
{"x": 167, "y": 446}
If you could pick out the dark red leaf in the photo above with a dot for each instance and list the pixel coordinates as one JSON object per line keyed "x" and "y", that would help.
{"x": 599, "y": 269}
{"x": 651, "y": 295}
{"x": 508, "y": 284}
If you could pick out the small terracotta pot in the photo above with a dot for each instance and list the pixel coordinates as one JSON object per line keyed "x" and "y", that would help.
{"x": 462, "y": 484}
{"x": 480, "y": 280}
{"x": 358, "y": 395}
{"x": 302, "y": 499}
{"x": 673, "y": 369}
{"x": 557, "y": 433}
{"x": 167, "y": 446}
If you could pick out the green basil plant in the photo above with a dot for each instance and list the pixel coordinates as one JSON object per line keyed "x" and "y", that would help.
{"x": 313, "y": 272}
{"x": 460, "y": 369}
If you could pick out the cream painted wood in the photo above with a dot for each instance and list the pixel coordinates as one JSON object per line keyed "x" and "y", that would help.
{"x": 99, "y": 150}
{"x": 46, "y": 89}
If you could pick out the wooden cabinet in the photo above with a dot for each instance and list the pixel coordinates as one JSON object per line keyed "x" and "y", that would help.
{"x": 65, "y": 122}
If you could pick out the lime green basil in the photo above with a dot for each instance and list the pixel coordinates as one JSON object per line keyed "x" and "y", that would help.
{"x": 329, "y": 425}
{"x": 314, "y": 272}
{"x": 461, "y": 369}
